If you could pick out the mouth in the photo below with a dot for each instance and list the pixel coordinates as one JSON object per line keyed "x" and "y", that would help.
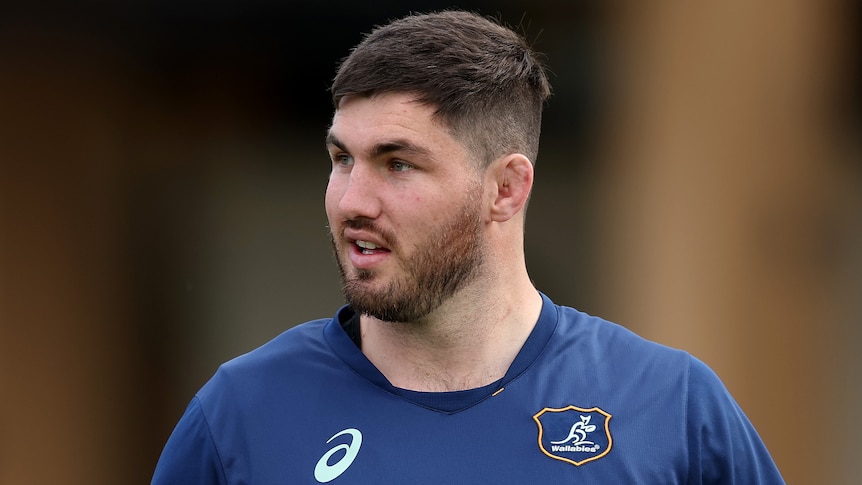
{"x": 366, "y": 247}
{"x": 366, "y": 255}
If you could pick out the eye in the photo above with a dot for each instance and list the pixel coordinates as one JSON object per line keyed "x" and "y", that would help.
{"x": 342, "y": 159}
{"x": 401, "y": 166}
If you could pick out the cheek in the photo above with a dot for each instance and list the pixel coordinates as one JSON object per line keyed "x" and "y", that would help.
{"x": 331, "y": 198}
{"x": 423, "y": 213}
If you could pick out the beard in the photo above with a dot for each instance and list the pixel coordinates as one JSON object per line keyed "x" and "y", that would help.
{"x": 443, "y": 264}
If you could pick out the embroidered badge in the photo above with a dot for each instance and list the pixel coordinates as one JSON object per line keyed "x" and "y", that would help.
{"x": 574, "y": 435}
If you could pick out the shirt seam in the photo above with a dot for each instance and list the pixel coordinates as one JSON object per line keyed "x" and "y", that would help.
{"x": 212, "y": 439}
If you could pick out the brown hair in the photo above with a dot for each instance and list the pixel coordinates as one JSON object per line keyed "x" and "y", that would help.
{"x": 485, "y": 81}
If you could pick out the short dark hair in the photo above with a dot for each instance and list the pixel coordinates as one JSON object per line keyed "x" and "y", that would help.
{"x": 486, "y": 83}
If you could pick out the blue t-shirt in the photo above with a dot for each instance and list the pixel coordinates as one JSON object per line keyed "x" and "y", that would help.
{"x": 585, "y": 401}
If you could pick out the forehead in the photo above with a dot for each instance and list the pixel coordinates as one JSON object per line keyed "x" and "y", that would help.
{"x": 362, "y": 122}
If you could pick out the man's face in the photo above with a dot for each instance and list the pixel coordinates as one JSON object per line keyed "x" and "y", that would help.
{"x": 404, "y": 207}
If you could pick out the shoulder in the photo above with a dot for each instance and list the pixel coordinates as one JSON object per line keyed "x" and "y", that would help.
{"x": 609, "y": 343}
{"x": 596, "y": 361}
{"x": 282, "y": 361}
{"x": 298, "y": 341}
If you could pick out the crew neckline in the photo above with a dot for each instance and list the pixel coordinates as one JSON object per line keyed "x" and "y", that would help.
{"x": 451, "y": 401}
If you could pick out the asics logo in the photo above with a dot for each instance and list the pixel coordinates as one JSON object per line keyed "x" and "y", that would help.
{"x": 323, "y": 471}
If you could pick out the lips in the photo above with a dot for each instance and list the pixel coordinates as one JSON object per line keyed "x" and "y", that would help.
{"x": 366, "y": 239}
{"x": 366, "y": 249}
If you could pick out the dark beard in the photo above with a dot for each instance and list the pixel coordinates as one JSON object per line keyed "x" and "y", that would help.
{"x": 439, "y": 268}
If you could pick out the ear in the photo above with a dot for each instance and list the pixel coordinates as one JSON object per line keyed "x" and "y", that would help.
{"x": 512, "y": 177}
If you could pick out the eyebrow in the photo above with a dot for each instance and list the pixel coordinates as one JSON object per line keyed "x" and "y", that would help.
{"x": 332, "y": 140}
{"x": 380, "y": 149}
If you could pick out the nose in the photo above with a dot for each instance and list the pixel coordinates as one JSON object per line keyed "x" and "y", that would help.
{"x": 357, "y": 192}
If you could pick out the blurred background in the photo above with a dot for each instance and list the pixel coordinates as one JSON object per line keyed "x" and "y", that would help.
{"x": 162, "y": 172}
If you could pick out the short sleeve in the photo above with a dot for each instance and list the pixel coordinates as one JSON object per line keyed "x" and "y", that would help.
{"x": 190, "y": 456}
{"x": 724, "y": 447}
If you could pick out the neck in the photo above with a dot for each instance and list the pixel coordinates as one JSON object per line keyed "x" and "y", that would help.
{"x": 469, "y": 342}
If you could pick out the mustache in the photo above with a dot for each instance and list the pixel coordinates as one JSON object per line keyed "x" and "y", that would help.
{"x": 363, "y": 223}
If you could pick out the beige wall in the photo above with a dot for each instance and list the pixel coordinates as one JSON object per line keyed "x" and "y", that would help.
{"x": 736, "y": 191}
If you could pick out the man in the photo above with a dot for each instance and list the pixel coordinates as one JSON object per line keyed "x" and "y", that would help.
{"x": 447, "y": 365}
